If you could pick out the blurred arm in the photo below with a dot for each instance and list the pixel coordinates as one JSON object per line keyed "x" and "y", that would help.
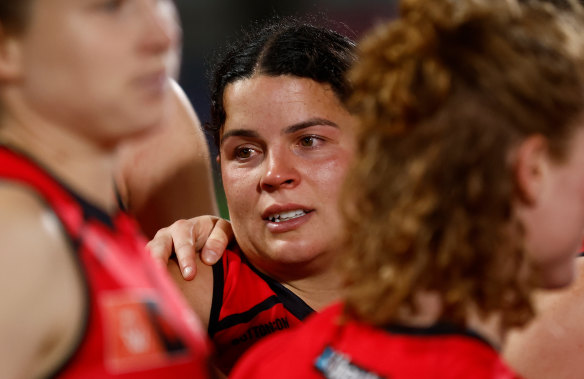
{"x": 41, "y": 288}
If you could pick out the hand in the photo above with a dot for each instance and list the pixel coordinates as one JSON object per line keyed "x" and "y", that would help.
{"x": 208, "y": 234}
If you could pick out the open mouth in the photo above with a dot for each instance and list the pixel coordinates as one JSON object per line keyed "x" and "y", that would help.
{"x": 287, "y": 215}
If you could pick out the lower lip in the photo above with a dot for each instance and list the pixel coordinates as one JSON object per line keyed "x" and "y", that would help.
{"x": 288, "y": 225}
{"x": 153, "y": 85}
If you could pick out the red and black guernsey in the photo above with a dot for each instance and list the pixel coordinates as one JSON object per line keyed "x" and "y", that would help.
{"x": 329, "y": 345}
{"x": 137, "y": 324}
{"x": 247, "y": 306}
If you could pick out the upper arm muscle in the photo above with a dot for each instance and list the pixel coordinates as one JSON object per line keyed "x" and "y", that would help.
{"x": 40, "y": 287}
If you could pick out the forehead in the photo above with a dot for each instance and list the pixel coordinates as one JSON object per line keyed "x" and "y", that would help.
{"x": 277, "y": 101}
{"x": 32, "y": 11}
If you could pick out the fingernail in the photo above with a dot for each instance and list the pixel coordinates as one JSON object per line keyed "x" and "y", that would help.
{"x": 211, "y": 256}
{"x": 187, "y": 271}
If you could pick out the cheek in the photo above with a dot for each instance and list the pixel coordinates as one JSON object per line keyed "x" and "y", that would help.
{"x": 329, "y": 178}
{"x": 240, "y": 188}
{"x": 331, "y": 174}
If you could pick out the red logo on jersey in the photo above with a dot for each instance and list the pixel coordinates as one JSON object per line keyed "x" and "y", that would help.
{"x": 137, "y": 335}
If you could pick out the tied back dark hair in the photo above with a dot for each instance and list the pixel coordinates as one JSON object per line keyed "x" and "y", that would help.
{"x": 282, "y": 47}
{"x": 14, "y": 14}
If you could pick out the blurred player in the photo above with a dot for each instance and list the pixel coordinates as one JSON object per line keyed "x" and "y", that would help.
{"x": 80, "y": 295}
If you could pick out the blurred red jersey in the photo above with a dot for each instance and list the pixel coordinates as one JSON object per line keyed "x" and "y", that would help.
{"x": 331, "y": 346}
{"x": 137, "y": 324}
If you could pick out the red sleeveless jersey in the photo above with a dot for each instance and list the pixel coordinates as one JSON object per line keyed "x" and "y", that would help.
{"x": 329, "y": 346}
{"x": 137, "y": 325}
{"x": 247, "y": 306}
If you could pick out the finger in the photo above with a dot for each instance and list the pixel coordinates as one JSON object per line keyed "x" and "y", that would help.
{"x": 160, "y": 247}
{"x": 201, "y": 230}
{"x": 182, "y": 237}
{"x": 187, "y": 264}
{"x": 217, "y": 242}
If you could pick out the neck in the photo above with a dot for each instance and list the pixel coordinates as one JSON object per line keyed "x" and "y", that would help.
{"x": 316, "y": 282}
{"x": 317, "y": 291}
{"x": 77, "y": 161}
{"x": 428, "y": 313}
{"x": 489, "y": 328}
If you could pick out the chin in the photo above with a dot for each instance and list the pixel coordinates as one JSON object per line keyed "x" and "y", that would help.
{"x": 558, "y": 279}
{"x": 293, "y": 254}
{"x": 288, "y": 257}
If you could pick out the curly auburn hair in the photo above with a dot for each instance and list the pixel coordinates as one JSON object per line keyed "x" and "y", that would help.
{"x": 444, "y": 94}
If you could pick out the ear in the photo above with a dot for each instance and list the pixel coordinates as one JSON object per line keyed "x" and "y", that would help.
{"x": 531, "y": 168}
{"x": 218, "y": 159}
{"x": 10, "y": 60}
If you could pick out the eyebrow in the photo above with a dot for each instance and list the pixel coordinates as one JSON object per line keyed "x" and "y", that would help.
{"x": 308, "y": 123}
{"x": 288, "y": 130}
{"x": 239, "y": 133}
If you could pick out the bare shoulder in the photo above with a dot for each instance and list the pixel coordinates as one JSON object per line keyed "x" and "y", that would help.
{"x": 166, "y": 175}
{"x": 40, "y": 286}
{"x": 552, "y": 344}
{"x": 199, "y": 291}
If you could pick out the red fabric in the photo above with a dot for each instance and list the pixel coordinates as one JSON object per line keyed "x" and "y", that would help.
{"x": 370, "y": 351}
{"x": 138, "y": 326}
{"x": 244, "y": 289}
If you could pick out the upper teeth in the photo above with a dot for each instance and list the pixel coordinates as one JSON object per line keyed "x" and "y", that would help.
{"x": 277, "y": 217}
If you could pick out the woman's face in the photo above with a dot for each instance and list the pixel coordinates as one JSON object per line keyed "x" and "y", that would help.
{"x": 554, "y": 225}
{"x": 285, "y": 150}
{"x": 99, "y": 67}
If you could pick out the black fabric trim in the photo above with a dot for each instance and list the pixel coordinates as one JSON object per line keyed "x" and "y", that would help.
{"x": 289, "y": 299}
{"x": 439, "y": 329}
{"x": 119, "y": 199}
{"x": 293, "y": 304}
{"x": 247, "y": 316}
{"x": 217, "y": 301}
{"x": 91, "y": 211}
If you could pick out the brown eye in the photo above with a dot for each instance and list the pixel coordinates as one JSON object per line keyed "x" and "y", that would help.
{"x": 111, "y": 5}
{"x": 307, "y": 141}
{"x": 244, "y": 152}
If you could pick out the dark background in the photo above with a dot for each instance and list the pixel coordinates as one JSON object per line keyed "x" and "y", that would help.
{"x": 210, "y": 24}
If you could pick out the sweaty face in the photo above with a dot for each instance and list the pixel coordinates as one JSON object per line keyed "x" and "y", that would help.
{"x": 286, "y": 146}
{"x": 555, "y": 227}
{"x": 99, "y": 67}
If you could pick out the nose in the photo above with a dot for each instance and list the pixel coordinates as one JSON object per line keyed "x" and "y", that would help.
{"x": 161, "y": 26}
{"x": 280, "y": 171}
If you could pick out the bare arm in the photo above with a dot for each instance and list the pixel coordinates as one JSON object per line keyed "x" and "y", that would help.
{"x": 40, "y": 286}
{"x": 166, "y": 176}
{"x": 198, "y": 292}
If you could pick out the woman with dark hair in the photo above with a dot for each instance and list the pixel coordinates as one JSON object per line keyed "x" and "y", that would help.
{"x": 81, "y": 297}
{"x": 285, "y": 142}
{"x": 466, "y": 194}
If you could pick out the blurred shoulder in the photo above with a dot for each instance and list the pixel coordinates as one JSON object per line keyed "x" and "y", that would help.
{"x": 41, "y": 286}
